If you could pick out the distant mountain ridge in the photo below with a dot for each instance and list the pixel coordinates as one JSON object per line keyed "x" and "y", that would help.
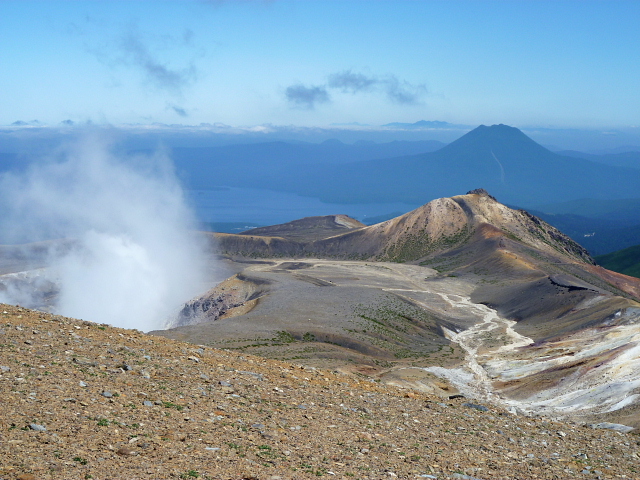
{"x": 421, "y": 124}
{"x": 512, "y": 166}
{"x": 265, "y": 165}
{"x": 629, "y": 159}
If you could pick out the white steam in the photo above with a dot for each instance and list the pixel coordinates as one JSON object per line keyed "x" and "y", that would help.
{"x": 133, "y": 259}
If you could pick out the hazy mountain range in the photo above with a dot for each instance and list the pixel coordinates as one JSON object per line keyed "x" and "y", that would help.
{"x": 592, "y": 198}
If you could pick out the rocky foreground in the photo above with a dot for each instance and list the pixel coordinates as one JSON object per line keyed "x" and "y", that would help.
{"x": 80, "y": 400}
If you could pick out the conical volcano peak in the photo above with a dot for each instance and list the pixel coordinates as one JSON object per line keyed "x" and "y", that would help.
{"x": 496, "y": 136}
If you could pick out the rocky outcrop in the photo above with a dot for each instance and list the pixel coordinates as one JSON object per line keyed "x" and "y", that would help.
{"x": 235, "y": 296}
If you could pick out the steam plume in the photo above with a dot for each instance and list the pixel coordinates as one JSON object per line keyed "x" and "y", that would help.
{"x": 132, "y": 260}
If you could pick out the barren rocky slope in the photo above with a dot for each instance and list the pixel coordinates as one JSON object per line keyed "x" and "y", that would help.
{"x": 496, "y": 303}
{"x": 81, "y": 401}
{"x": 309, "y": 228}
{"x": 438, "y": 227}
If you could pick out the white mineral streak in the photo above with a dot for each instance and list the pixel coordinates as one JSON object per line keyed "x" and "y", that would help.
{"x": 610, "y": 384}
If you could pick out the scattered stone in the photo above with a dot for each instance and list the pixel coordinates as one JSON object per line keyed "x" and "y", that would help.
{"x": 359, "y": 428}
{"x": 125, "y": 451}
{"x": 37, "y": 428}
{"x": 475, "y": 406}
{"x": 107, "y": 394}
{"x": 258, "y": 376}
{"x": 26, "y": 476}
{"x": 612, "y": 426}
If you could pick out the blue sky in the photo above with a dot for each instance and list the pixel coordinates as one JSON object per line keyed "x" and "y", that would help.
{"x": 568, "y": 64}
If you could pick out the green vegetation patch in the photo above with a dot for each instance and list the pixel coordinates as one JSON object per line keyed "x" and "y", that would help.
{"x": 397, "y": 326}
{"x": 626, "y": 261}
{"x": 415, "y": 246}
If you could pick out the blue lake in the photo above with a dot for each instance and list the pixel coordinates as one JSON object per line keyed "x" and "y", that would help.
{"x": 267, "y": 207}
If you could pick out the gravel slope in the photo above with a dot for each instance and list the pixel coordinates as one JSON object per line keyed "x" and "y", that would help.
{"x": 81, "y": 400}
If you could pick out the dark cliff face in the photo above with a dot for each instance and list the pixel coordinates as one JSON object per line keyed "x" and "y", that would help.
{"x": 205, "y": 308}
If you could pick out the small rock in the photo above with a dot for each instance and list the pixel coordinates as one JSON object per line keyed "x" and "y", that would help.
{"x": 25, "y": 476}
{"x": 37, "y": 428}
{"x": 82, "y": 384}
{"x": 475, "y": 406}
{"x": 194, "y": 359}
{"x": 107, "y": 394}
{"x": 561, "y": 433}
{"x": 124, "y": 451}
{"x": 258, "y": 376}
{"x": 4, "y": 368}
{"x": 147, "y": 403}
{"x": 224, "y": 384}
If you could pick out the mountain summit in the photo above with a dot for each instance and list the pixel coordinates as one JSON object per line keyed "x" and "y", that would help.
{"x": 418, "y": 236}
{"x": 495, "y": 137}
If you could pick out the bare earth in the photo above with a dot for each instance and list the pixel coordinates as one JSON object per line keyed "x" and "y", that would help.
{"x": 81, "y": 400}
